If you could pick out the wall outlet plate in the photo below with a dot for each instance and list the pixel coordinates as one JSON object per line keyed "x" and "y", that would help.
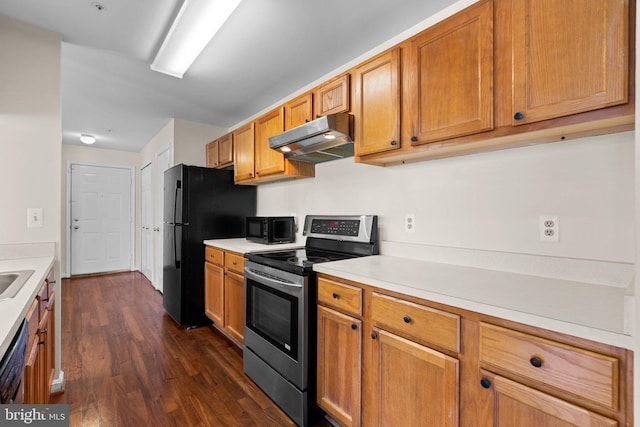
{"x": 410, "y": 223}
{"x": 549, "y": 228}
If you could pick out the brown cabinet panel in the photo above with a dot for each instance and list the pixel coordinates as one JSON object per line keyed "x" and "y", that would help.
{"x": 448, "y": 78}
{"x": 268, "y": 161}
{"x": 211, "y": 151}
{"x": 341, "y": 296}
{"x": 244, "y": 167}
{"x": 225, "y": 150}
{"x": 214, "y": 292}
{"x": 376, "y": 104}
{"x": 569, "y": 56}
{"x": 514, "y": 404}
{"x": 339, "y": 366}
{"x": 214, "y": 255}
{"x": 333, "y": 96}
{"x": 298, "y": 111}
{"x": 234, "y": 262}
{"x": 413, "y": 384}
{"x": 234, "y": 305}
{"x": 573, "y": 370}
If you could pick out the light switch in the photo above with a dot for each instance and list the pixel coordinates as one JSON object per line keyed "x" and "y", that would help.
{"x": 34, "y": 217}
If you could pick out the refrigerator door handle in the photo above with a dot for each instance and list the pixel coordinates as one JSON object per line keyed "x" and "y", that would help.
{"x": 175, "y": 248}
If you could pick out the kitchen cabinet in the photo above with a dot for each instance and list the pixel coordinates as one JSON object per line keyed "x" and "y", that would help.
{"x": 333, "y": 96}
{"x": 256, "y": 162}
{"x": 447, "y": 84}
{"x": 244, "y": 150}
{"x": 40, "y": 366}
{"x": 418, "y": 362}
{"x": 224, "y": 292}
{"x": 376, "y": 104}
{"x": 568, "y": 57}
{"x": 339, "y": 351}
{"x": 298, "y": 111}
{"x": 219, "y": 153}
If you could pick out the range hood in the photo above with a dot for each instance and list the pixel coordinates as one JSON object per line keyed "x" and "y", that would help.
{"x": 326, "y": 138}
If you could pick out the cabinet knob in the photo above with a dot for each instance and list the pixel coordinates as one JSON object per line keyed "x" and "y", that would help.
{"x": 536, "y": 361}
{"x": 354, "y": 326}
{"x": 393, "y": 142}
{"x": 335, "y": 296}
{"x": 414, "y": 138}
{"x": 318, "y": 116}
{"x": 406, "y": 319}
{"x": 518, "y": 116}
{"x": 373, "y": 335}
{"x": 485, "y": 383}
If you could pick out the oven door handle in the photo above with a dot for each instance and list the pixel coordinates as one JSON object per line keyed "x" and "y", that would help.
{"x": 269, "y": 279}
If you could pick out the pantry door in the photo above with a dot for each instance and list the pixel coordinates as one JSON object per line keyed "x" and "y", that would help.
{"x": 101, "y": 219}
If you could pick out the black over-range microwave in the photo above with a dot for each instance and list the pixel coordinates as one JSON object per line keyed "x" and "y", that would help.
{"x": 271, "y": 229}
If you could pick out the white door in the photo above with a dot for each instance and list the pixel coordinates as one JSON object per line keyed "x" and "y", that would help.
{"x": 162, "y": 164}
{"x": 146, "y": 220}
{"x": 100, "y": 219}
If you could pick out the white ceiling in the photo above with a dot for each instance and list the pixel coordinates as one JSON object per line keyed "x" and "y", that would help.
{"x": 267, "y": 50}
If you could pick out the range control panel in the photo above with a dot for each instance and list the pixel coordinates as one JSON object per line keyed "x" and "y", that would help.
{"x": 337, "y": 227}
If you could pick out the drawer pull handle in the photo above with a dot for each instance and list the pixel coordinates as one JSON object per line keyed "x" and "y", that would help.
{"x": 334, "y": 295}
{"x": 536, "y": 361}
{"x": 354, "y": 326}
{"x": 373, "y": 335}
{"x": 485, "y": 383}
{"x": 406, "y": 319}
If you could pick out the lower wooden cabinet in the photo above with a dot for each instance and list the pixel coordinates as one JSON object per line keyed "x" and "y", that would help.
{"x": 224, "y": 292}
{"x": 388, "y": 359}
{"x": 40, "y": 366}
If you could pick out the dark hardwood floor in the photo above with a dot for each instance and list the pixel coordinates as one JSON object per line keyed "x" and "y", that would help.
{"x": 127, "y": 363}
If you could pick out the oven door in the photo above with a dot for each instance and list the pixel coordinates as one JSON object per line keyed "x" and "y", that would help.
{"x": 276, "y": 320}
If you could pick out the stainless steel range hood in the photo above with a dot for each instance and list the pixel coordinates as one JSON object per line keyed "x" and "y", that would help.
{"x": 326, "y": 138}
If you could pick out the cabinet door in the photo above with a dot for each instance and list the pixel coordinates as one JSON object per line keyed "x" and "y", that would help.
{"x": 244, "y": 152}
{"x": 211, "y": 150}
{"x": 376, "y": 104}
{"x": 225, "y": 150}
{"x": 298, "y": 111}
{"x": 412, "y": 385}
{"x": 569, "y": 56}
{"x": 268, "y": 161}
{"x": 31, "y": 373}
{"x": 338, "y": 375}
{"x": 50, "y": 341}
{"x": 234, "y": 305}
{"x": 332, "y": 96}
{"x": 513, "y": 404}
{"x": 214, "y": 292}
{"x": 45, "y": 334}
{"x": 448, "y": 78}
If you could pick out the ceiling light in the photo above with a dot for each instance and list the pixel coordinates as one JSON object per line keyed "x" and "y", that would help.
{"x": 195, "y": 25}
{"x": 87, "y": 139}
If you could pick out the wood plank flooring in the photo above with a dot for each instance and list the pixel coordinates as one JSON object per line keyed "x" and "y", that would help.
{"x": 127, "y": 363}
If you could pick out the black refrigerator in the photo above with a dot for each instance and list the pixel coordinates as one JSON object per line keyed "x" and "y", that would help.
{"x": 199, "y": 204}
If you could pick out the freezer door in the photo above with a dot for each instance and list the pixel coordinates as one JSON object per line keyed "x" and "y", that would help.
{"x": 171, "y": 271}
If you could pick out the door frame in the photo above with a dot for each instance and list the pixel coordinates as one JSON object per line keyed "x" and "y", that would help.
{"x": 152, "y": 279}
{"x": 158, "y": 184}
{"x": 132, "y": 243}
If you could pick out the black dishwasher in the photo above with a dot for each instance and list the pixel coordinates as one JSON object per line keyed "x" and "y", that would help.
{"x": 12, "y": 368}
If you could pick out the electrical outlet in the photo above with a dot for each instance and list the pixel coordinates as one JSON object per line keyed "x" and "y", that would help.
{"x": 549, "y": 228}
{"x": 410, "y": 223}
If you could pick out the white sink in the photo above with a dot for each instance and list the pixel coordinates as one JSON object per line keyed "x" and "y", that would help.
{"x": 12, "y": 281}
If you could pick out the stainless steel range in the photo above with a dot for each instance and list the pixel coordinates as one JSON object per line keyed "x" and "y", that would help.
{"x": 280, "y": 309}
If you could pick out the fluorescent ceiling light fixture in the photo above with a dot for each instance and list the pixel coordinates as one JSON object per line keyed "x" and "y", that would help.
{"x": 196, "y": 24}
{"x": 87, "y": 139}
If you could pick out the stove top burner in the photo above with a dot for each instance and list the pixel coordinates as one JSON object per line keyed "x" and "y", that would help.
{"x": 297, "y": 260}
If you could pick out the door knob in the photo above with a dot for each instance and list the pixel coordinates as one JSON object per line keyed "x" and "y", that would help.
{"x": 75, "y": 227}
{"x": 76, "y": 219}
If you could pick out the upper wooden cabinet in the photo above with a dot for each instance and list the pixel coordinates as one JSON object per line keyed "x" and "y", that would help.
{"x": 298, "y": 111}
{"x": 244, "y": 166}
{"x": 269, "y": 161}
{"x": 376, "y": 104}
{"x": 569, "y": 56}
{"x": 448, "y": 78}
{"x": 332, "y": 97}
{"x": 220, "y": 152}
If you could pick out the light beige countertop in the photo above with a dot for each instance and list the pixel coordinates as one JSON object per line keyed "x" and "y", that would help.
{"x": 13, "y": 310}
{"x": 243, "y": 246}
{"x": 593, "y": 311}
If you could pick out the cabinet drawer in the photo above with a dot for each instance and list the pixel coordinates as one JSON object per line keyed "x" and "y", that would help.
{"x": 344, "y": 297}
{"x": 234, "y": 262}
{"x": 423, "y": 323}
{"x": 214, "y": 255}
{"x": 582, "y": 373}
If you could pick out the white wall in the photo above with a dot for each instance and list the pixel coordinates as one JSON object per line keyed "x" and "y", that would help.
{"x": 488, "y": 201}
{"x": 190, "y": 139}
